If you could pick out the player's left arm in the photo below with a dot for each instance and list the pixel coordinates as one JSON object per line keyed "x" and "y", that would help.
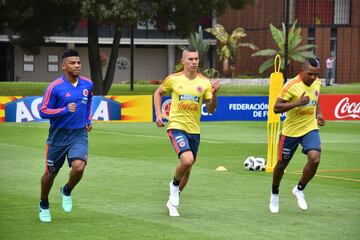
{"x": 88, "y": 125}
{"x": 212, "y": 103}
{"x": 319, "y": 117}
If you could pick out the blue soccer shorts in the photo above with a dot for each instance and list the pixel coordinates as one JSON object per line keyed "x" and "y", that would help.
{"x": 55, "y": 155}
{"x": 288, "y": 145}
{"x": 183, "y": 141}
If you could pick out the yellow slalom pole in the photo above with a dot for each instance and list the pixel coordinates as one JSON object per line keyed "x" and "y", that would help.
{"x": 273, "y": 122}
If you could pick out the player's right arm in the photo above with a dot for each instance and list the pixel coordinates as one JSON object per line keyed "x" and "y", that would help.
{"x": 48, "y": 106}
{"x": 282, "y": 105}
{"x": 157, "y": 104}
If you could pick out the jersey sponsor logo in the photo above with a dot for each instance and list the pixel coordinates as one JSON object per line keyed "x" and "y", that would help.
{"x": 180, "y": 140}
{"x": 51, "y": 165}
{"x": 310, "y": 103}
{"x": 188, "y": 106}
{"x": 305, "y": 112}
{"x": 189, "y": 97}
{"x": 286, "y": 153}
{"x": 344, "y": 108}
{"x": 84, "y": 100}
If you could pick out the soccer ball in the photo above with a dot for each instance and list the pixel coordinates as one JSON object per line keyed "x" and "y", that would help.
{"x": 249, "y": 163}
{"x": 254, "y": 164}
{"x": 259, "y": 164}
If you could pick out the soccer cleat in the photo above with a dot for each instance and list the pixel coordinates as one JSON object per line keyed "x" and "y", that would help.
{"x": 300, "y": 198}
{"x": 44, "y": 215}
{"x": 174, "y": 196}
{"x": 66, "y": 201}
{"x": 274, "y": 203}
{"x": 173, "y": 212}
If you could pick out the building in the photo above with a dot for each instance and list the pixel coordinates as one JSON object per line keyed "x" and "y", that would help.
{"x": 333, "y": 25}
{"x": 155, "y": 55}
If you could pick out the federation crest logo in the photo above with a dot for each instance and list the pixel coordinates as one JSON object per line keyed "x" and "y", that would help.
{"x": 199, "y": 89}
{"x": 317, "y": 93}
{"x": 165, "y": 108}
{"x": 85, "y": 92}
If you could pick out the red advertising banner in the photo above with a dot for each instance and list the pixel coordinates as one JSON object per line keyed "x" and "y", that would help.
{"x": 340, "y": 107}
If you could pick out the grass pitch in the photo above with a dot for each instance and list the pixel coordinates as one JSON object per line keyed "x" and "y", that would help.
{"x": 125, "y": 186}
{"x": 38, "y": 88}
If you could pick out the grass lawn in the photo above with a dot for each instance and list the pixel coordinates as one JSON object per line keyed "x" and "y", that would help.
{"x": 37, "y": 89}
{"x": 125, "y": 186}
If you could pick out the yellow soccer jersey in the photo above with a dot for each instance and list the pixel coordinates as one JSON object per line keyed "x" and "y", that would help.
{"x": 186, "y": 101}
{"x": 301, "y": 119}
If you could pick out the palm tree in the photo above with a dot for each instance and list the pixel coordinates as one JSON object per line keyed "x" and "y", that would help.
{"x": 228, "y": 45}
{"x": 296, "y": 52}
{"x": 196, "y": 41}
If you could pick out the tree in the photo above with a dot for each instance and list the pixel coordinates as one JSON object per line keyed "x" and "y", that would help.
{"x": 121, "y": 14}
{"x": 228, "y": 45}
{"x": 196, "y": 41}
{"x": 48, "y": 17}
{"x": 296, "y": 52}
{"x": 125, "y": 13}
{"x": 185, "y": 14}
{"x": 29, "y": 22}
{"x": 33, "y": 20}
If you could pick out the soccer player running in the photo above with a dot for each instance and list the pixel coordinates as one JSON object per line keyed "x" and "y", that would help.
{"x": 67, "y": 103}
{"x": 300, "y": 99}
{"x": 189, "y": 89}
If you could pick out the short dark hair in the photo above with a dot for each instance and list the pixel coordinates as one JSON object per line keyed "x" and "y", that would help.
{"x": 191, "y": 49}
{"x": 315, "y": 62}
{"x": 70, "y": 53}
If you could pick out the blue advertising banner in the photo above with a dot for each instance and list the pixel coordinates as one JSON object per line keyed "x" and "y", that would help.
{"x": 231, "y": 108}
{"x": 105, "y": 109}
{"x": 23, "y": 110}
{"x": 138, "y": 108}
{"x": 27, "y": 109}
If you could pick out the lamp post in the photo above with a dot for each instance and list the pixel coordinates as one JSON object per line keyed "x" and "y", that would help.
{"x": 286, "y": 53}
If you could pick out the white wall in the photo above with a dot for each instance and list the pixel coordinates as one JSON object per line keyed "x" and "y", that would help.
{"x": 149, "y": 64}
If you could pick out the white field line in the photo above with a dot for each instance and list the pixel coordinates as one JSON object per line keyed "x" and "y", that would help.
{"x": 161, "y": 137}
{"x": 150, "y": 136}
{"x": 211, "y": 141}
{"x": 325, "y": 176}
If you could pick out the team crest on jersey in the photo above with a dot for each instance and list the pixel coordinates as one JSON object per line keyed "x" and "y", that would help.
{"x": 199, "y": 89}
{"x": 317, "y": 93}
{"x": 85, "y": 99}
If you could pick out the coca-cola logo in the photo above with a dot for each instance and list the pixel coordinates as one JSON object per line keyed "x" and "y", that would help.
{"x": 345, "y": 109}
